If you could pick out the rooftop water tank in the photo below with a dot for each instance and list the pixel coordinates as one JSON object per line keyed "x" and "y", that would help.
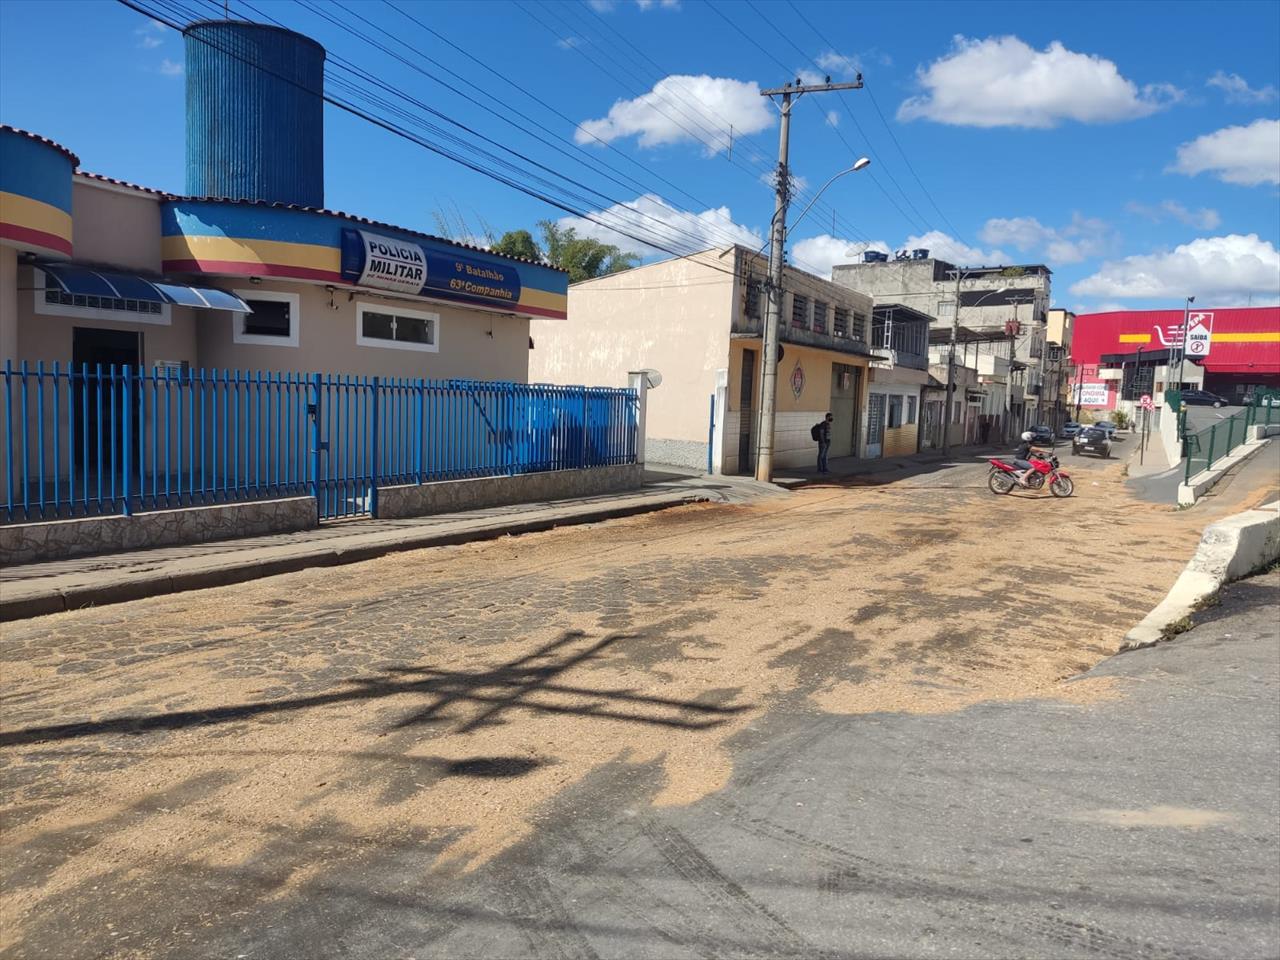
{"x": 255, "y": 113}
{"x": 920, "y": 253}
{"x": 874, "y": 256}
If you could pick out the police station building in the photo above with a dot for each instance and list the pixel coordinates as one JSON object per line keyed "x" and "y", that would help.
{"x": 247, "y": 269}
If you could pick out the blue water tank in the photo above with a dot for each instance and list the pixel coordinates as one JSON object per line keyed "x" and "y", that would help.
{"x": 255, "y": 113}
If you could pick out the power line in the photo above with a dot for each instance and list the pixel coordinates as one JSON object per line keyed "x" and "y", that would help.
{"x": 607, "y": 72}
{"x": 785, "y": 67}
{"x": 888, "y": 129}
{"x": 920, "y": 219}
{"x": 405, "y": 134}
{"x": 622, "y": 212}
{"x": 670, "y": 233}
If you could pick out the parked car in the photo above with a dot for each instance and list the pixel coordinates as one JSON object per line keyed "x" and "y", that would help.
{"x": 1203, "y": 398}
{"x": 1041, "y": 434}
{"x": 1071, "y": 428}
{"x": 1092, "y": 440}
{"x": 1108, "y": 427}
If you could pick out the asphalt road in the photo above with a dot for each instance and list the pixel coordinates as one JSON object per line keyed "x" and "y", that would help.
{"x": 836, "y": 723}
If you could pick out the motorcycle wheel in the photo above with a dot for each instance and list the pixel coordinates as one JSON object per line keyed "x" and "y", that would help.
{"x": 1000, "y": 482}
{"x": 1062, "y": 487}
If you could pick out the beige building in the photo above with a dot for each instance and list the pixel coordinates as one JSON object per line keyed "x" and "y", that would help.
{"x": 698, "y": 321}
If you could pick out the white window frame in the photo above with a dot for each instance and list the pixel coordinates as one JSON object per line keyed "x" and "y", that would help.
{"x": 256, "y": 339}
{"x": 394, "y": 310}
{"x": 44, "y": 308}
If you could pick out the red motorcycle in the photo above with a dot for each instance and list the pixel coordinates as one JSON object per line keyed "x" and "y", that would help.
{"x": 1004, "y": 476}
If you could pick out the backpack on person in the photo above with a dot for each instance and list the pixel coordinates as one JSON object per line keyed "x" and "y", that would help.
{"x": 816, "y": 430}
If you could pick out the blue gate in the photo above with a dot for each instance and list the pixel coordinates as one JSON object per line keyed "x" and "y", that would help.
{"x": 115, "y": 440}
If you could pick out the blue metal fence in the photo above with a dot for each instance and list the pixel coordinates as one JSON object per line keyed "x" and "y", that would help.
{"x": 114, "y": 440}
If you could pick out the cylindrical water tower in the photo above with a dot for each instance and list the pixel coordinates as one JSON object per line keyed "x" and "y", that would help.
{"x": 255, "y": 113}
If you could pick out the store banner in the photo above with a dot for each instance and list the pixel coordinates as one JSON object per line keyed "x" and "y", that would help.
{"x": 464, "y": 278}
{"x": 384, "y": 263}
{"x": 387, "y": 263}
{"x": 1092, "y": 394}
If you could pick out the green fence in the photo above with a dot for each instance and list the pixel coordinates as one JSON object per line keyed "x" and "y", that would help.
{"x": 1204, "y": 448}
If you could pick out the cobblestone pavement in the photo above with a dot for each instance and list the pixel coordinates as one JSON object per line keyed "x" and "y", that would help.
{"x": 202, "y": 768}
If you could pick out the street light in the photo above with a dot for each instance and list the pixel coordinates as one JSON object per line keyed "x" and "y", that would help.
{"x": 1182, "y": 352}
{"x": 860, "y": 164}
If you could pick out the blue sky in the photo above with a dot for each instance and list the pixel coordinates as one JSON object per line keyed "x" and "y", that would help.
{"x": 1134, "y": 148}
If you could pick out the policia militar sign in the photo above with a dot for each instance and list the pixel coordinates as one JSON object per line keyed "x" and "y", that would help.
{"x": 424, "y": 269}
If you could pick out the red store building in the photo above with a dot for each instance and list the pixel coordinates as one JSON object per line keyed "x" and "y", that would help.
{"x": 1126, "y": 352}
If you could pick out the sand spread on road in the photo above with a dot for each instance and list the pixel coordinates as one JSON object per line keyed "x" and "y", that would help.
{"x": 447, "y": 699}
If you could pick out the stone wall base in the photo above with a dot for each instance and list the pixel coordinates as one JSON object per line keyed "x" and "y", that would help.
{"x": 452, "y": 496}
{"x": 61, "y": 539}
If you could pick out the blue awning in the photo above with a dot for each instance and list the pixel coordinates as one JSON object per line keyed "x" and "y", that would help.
{"x": 83, "y": 281}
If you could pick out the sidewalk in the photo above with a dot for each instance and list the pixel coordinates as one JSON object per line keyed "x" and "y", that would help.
{"x": 41, "y": 588}
{"x": 844, "y": 467}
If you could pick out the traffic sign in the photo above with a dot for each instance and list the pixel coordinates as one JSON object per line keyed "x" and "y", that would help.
{"x": 1199, "y": 334}
{"x": 1147, "y": 403}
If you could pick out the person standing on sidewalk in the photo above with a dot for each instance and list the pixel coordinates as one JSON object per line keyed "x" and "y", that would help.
{"x": 822, "y": 433}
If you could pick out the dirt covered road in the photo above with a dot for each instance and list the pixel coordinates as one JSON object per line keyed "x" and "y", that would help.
{"x": 179, "y": 768}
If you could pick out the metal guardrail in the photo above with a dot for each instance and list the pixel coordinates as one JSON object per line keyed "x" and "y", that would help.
{"x": 1203, "y": 448}
{"x": 115, "y": 440}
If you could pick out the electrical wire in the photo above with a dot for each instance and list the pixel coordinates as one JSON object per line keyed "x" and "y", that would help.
{"x": 888, "y": 129}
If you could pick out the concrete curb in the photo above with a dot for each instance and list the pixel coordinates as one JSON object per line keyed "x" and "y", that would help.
{"x": 219, "y": 571}
{"x": 1230, "y": 549}
{"x": 1206, "y": 480}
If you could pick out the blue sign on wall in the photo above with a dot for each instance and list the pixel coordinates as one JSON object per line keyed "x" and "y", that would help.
{"x": 373, "y": 260}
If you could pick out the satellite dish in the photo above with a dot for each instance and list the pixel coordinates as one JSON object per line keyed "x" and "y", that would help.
{"x": 652, "y": 378}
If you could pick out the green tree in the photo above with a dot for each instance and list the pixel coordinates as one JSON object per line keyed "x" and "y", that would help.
{"x": 581, "y": 257}
{"x": 518, "y": 243}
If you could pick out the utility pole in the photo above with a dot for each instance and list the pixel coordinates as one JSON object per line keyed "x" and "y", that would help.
{"x": 789, "y": 94}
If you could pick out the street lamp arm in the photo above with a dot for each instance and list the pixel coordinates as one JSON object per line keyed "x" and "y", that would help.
{"x": 860, "y": 164}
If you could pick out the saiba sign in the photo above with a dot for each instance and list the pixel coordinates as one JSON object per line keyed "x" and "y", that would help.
{"x": 1199, "y": 334}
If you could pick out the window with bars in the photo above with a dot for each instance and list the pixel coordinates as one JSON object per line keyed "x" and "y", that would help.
{"x": 858, "y": 327}
{"x": 799, "y": 311}
{"x": 819, "y": 317}
{"x": 911, "y": 409}
{"x": 840, "y": 322}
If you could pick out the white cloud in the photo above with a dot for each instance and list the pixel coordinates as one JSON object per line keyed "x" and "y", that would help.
{"x": 1206, "y": 218}
{"x": 170, "y": 68}
{"x": 568, "y": 43}
{"x": 601, "y": 6}
{"x": 1004, "y": 82}
{"x": 819, "y": 254}
{"x": 675, "y": 229}
{"x": 647, "y": 5}
{"x": 151, "y": 34}
{"x": 656, "y": 118}
{"x": 833, "y": 118}
{"x": 945, "y": 247}
{"x": 1237, "y": 90}
{"x": 1245, "y": 155}
{"x": 1220, "y": 269}
{"x": 839, "y": 64}
{"x": 1082, "y": 238}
